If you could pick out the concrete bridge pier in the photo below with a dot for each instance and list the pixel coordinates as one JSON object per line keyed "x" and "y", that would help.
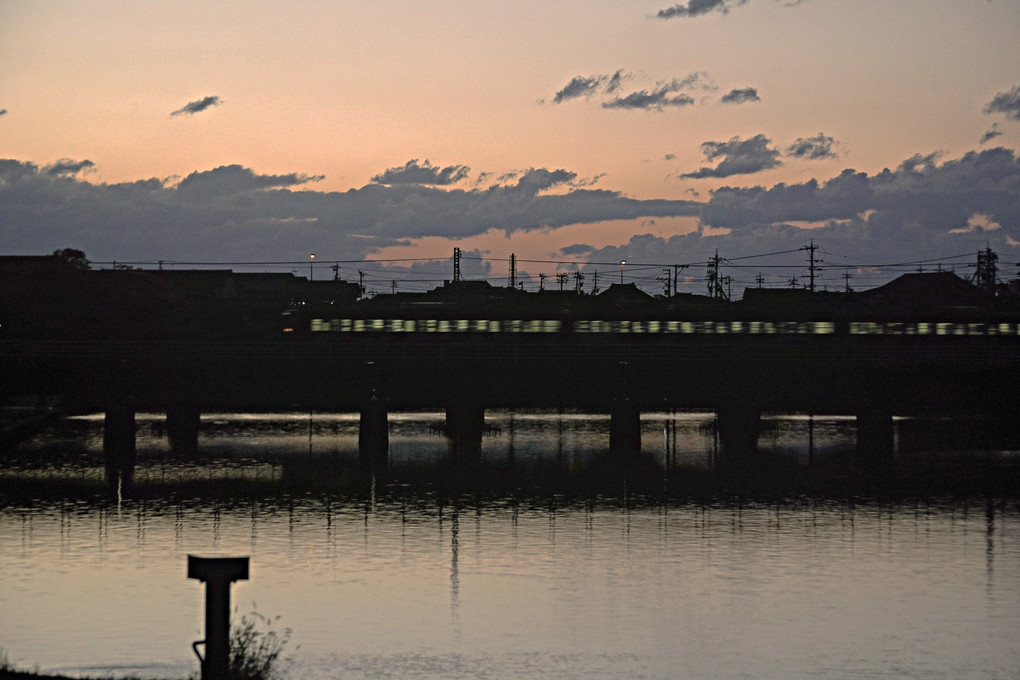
{"x": 374, "y": 436}
{"x": 875, "y": 434}
{"x": 625, "y": 430}
{"x": 738, "y": 427}
{"x": 182, "y": 421}
{"x": 119, "y": 443}
{"x": 465, "y": 423}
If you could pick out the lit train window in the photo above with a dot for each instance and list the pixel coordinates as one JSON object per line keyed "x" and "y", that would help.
{"x": 653, "y": 326}
{"x": 318, "y": 325}
{"x": 637, "y": 327}
{"x": 894, "y": 329}
{"x": 494, "y": 326}
{"x": 824, "y": 328}
{"x": 976, "y": 329}
{"x": 443, "y": 326}
{"x": 377, "y": 324}
{"x": 359, "y": 325}
{"x": 718, "y": 327}
{"x": 552, "y": 326}
{"x": 672, "y": 326}
{"x": 334, "y": 325}
{"x": 1005, "y": 329}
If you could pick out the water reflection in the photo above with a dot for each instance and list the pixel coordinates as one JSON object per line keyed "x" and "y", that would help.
{"x": 412, "y": 584}
{"x": 557, "y": 451}
{"x": 559, "y": 563}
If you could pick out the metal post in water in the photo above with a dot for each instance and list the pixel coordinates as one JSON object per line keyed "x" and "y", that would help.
{"x": 217, "y": 573}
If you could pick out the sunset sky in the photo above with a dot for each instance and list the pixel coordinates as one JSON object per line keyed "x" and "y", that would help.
{"x": 655, "y": 132}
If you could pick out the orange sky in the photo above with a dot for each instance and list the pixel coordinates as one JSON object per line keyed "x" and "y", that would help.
{"x": 345, "y": 91}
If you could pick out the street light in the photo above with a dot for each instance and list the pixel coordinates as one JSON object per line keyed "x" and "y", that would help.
{"x": 622, "y": 262}
{"x": 311, "y": 262}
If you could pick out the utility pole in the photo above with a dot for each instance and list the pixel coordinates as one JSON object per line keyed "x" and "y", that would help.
{"x": 562, "y": 279}
{"x": 456, "y": 264}
{"x": 393, "y": 287}
{"x": 336, "y": 271}
{"x": 541, "y": 282}
{"x": 846, "y": 278}
{"x": 984, "y": 275}
{"x": 716, "y": 283}
{"x": 361, "y": 283}
{"x": 667, "y": 280}
{"x": 513, "y": 270}
{"x": 811, "y": 263}
{"x": 760, "y": 280}
{"x": 793, "y": 282}
{"x": 595, "y": 283}
{"x": 677, "y": 268}
{"x": 578, "y": 280}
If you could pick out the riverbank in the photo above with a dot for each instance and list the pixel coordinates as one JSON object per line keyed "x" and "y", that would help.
{"x": 7, "y": 674}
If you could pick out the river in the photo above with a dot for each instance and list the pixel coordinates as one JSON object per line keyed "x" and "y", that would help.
{"x": 396, "y": 578}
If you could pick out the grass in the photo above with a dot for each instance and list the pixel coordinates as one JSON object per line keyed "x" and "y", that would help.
{"x": 256, "y": 650}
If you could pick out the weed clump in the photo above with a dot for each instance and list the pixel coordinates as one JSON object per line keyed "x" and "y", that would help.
{"x": 256, "y": 648}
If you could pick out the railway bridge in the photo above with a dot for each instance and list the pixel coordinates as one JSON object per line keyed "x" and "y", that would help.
{"x": 873, "y": 370}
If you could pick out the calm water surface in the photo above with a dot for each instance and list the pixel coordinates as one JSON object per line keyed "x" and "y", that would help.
{"x": 395, "y": 582}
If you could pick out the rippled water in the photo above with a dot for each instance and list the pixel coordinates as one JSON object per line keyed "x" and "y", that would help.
{"x": 400, "y": 582}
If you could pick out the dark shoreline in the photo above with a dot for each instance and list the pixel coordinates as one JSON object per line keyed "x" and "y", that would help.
{"x": 8, "y": 674}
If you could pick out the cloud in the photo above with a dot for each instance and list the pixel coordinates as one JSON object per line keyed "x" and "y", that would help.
{"x": 991, "y": 133}
{"x": 3, "y": 112}
{"x": 669, "y": 93}
{"x": 233, "y": 213}
{"x": 66, "y": 167}
{"x": 698, "y": 7}
{"x": 413, "y": 172}
{"x": 580, "y": 86}
{"x": 1007, "y": 103}
{"x": 233, "y": 180}
{"x": 813, "y": 148}
{"x": 198, "y": 105}
{"x": 660, "y": 96}
{"x": 739, "y": 157}
{"x": 643, "y": 99}
{"x": 920, "y": 193}
{"x": 741, "y": 96}
{"x": 926, "y": 208}
{"x": 586, "y": 86}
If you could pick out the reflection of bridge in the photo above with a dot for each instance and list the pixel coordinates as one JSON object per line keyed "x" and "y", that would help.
{"x": 739, "y": 375}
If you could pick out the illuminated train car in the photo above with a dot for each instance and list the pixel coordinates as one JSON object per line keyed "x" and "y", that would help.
{"x": 476, "y": 309}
